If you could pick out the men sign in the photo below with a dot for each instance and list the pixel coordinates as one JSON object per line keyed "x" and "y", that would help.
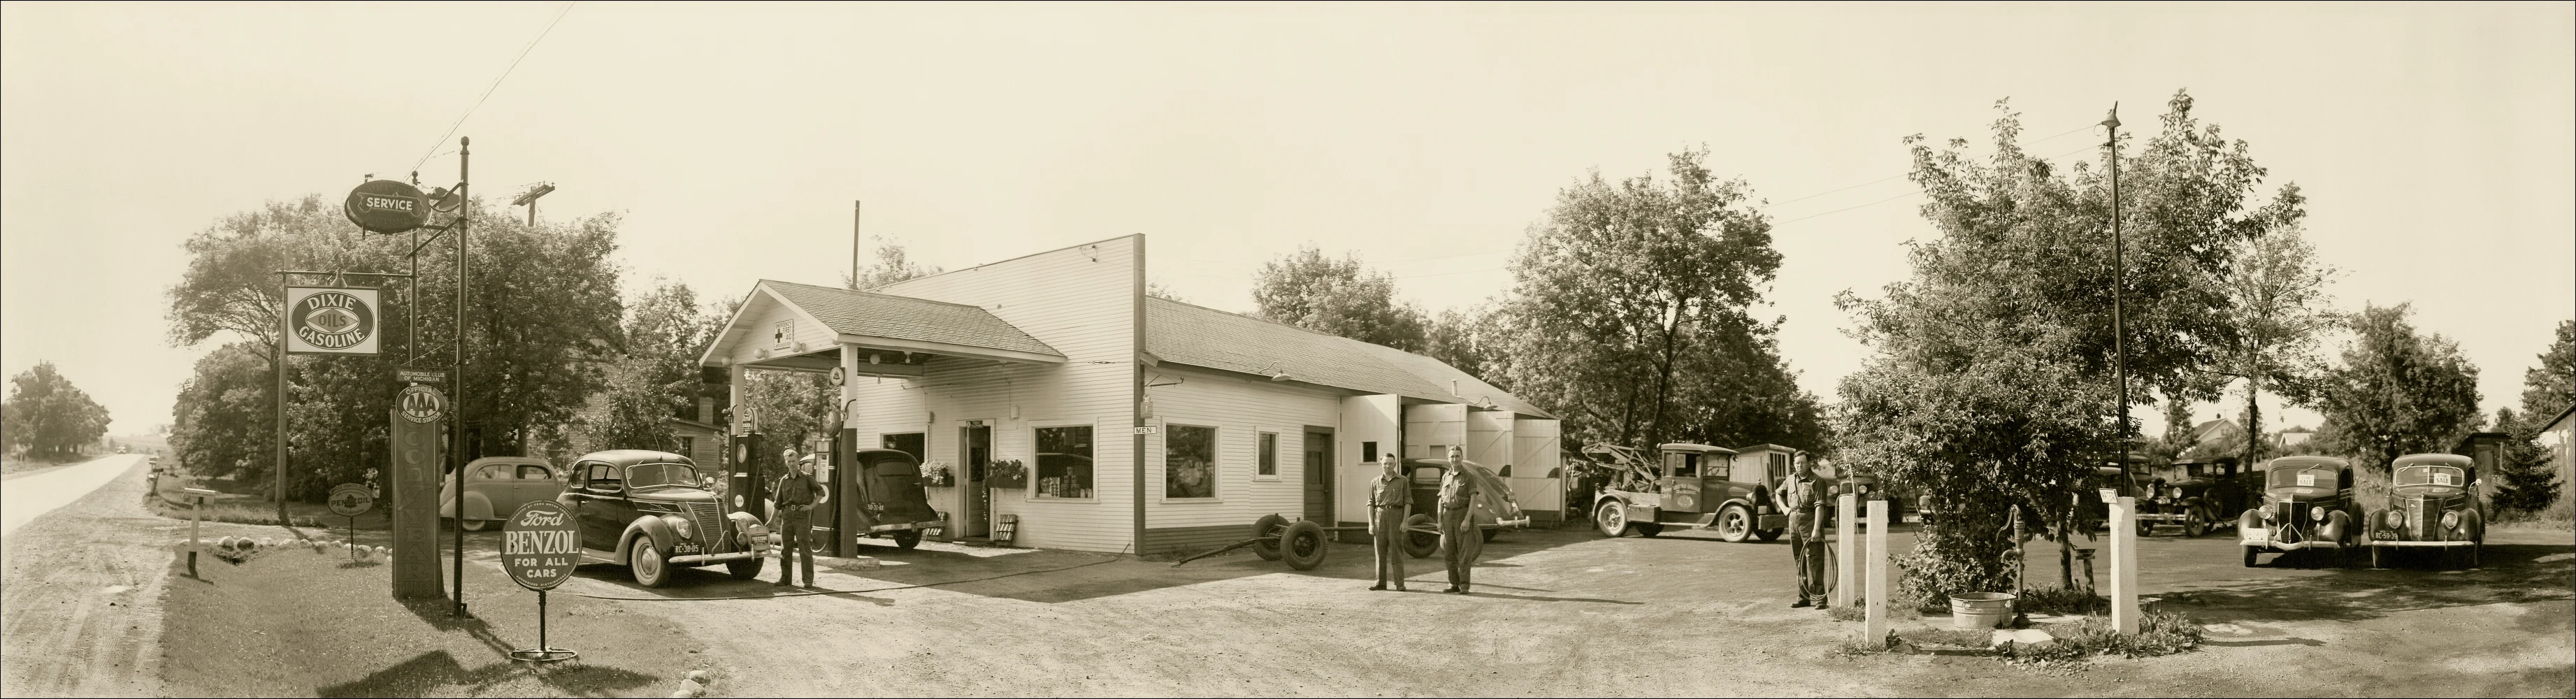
{"x": 326, "y": 320}
{"x": 540, "y": 545}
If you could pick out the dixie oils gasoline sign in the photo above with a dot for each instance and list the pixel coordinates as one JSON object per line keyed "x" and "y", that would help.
{"x": 540, "y": 545}
{"x": 325, "y": 320}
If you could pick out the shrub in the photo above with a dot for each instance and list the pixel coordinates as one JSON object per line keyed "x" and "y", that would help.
{"x": 2159, "y": 633}
{"x": 2061, "y": 600}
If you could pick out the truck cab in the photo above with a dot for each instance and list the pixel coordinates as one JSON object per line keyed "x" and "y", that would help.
{"x": 1700, "y": 486}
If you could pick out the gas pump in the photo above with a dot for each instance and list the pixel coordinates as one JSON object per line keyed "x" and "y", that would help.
{"x": 750, "y": 487}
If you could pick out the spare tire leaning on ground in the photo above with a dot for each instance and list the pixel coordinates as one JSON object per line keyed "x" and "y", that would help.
{"x": 1416, "y": 543}
{"x": 1302, "y": 545}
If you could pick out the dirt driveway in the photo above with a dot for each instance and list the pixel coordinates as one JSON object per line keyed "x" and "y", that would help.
{"x": 1567, "y": 612}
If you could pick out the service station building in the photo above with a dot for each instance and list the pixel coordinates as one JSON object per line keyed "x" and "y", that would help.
{"x": 1139, "y": 424}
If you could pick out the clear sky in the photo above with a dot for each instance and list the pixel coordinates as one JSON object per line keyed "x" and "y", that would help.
{"x": 2437, "y": 141}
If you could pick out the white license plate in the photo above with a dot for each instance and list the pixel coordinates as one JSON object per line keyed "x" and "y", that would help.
{"x": 2257, "y": 537}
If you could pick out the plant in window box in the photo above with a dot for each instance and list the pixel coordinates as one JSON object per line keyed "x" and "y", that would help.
{"x": 1008, "y": 474}
{"x": 934, "y": 472}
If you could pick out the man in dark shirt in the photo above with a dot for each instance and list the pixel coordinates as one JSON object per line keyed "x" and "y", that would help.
{"x": 1460, "y": 540}
{"x": 1390, "y": 500}
{"x": 796, "y": 495}
{"x": 1806, "y": 507}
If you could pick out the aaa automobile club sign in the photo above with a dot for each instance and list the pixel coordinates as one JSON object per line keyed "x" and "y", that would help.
{"x": 540, "y": 544}
{"x": 325, "y": 320}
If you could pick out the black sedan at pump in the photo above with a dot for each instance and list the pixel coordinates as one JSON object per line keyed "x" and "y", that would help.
{"x": 645, "y": 510}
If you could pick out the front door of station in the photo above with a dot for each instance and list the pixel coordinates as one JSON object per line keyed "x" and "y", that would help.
{"x": 1319, "y": 476}
{"x": 975, "y": 454}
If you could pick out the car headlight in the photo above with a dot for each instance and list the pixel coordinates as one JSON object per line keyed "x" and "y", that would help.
{"x": 2318, "y": 513}
{"x": 2395, "y": 519}
{"x": 2267, "y": 514}
{"x": 2450, "y": 520}
{"x": 681, "y": 527}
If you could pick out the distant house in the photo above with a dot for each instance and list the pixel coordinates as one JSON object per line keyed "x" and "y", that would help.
{"x": 1140, "y": 424}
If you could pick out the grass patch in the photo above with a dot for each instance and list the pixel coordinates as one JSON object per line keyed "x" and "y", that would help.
{"x": 2558, "y": 516}
{"x": 1858, "y": 610}
{"x": 248, "y": 513}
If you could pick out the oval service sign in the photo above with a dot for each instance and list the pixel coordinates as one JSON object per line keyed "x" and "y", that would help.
{"x": 540, "y": 545}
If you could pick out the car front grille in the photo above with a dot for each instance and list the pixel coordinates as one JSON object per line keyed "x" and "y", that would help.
{"x": 709, "y": 520}
{"x": 2420, "y": 517}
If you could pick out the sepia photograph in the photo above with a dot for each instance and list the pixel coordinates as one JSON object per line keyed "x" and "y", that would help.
{"x": 1293, "y": 349}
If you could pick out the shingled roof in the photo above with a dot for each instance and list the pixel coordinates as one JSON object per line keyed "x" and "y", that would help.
{"x": 873, "y": 314}
{"x": 1205, "y": 337}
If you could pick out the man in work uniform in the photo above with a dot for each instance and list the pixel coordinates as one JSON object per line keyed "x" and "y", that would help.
{"x": 1807, "y": 533}
{"x": 1460, "y": 541}
{"x": 796, "y": 495}
{"x": 1390, "y": 499}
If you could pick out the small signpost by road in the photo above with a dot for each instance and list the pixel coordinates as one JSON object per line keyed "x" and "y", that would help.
{"x": 540, "y": 546}
{"x": 350, "y": 500}
{"x": 196, "y": 518}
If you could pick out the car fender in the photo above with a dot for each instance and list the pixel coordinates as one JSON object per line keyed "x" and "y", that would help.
{"x": 477, "y": 505}
{"x": 749, "y": 530}
{"x": 2337, "y": 522}
{"x": 2473, "y": 525}
{"x": 2251, "y": 520}
{"x": 1747, "y": 503}
{"x": 650, "y": 525}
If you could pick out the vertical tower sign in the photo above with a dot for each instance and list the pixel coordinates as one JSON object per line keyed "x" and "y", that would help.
{"x": 417, "y": 413}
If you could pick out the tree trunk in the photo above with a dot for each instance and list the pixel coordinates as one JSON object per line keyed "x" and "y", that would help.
{"x": 1664, "y": 371}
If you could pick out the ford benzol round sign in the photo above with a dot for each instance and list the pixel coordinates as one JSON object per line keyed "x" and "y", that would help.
{"x": 324, "y": 320}
{"x": 540, "y": 545}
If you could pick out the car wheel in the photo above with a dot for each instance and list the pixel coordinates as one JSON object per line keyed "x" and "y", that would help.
{"x": 1610, "y": 518}
{"x": 473, "y": 525}
{"x": 1302, "y": 545}
{"x": 1491, "y": 533}
{"x": 1734, "y": 524}
{"x": 2195, "y": 524}
{"x": 907, "y": 539}
{"x": 1415, "y": 543}
{"x": 2146, "y": 527}
{"x": 1265, "y": 531}
{"x": 2249, "y": 555}
{"x": 646, "y": 562}
{"x": 744, "y": 569}
{"x": 1647, "y": 530}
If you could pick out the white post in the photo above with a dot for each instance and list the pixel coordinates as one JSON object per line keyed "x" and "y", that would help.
{"x": 2124, "y": 566}
{"x": 1846, "y": 548}
{"x": 1874, "y": 630}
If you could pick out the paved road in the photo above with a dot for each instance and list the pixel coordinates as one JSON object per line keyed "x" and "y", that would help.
{"x": 25, "y": 498}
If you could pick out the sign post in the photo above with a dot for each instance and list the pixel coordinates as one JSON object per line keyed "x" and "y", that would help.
{"x": 540, "y": 545}
{"x": 416, "y": 443}
{"x": 350, "y": 500}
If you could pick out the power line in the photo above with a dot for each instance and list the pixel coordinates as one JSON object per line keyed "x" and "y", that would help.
{"x": 496, "y": 84}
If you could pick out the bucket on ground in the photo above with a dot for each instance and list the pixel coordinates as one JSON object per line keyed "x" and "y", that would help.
{"x": 1980, "y": 610}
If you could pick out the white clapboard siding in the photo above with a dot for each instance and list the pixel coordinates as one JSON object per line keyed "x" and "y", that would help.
{"x": 1241, "y": 408}
{"x": 1079, "y": 300}
{"x": 1371, "y": 418}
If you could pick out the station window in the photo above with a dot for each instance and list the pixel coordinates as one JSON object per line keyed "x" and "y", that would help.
{"x": 1368, "y": 452}
{"x": 911, "y": 443}
{"x": 1269, "y": 453}
{"x": 1064, "y": 462}
{"x": 1189, "y": 462}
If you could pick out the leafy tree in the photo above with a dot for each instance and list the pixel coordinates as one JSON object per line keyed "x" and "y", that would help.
{"x": 1337, "y": 297}
{"x": 1475, "y": 340}
{"x": 657, "y": 378}
{"x": 893, "y": 264}
{"x": 1991, "y": 384}
{"x": 2529, "y": 477}
{"x": 2551, "y": 387}
{"x": 542, "y": 317}
{"x": 223, "y": 419}
{"x": 2277, "y": 307}
{"x": 1629, "y": 312}
{"x": 46, "y": 415}
{"x": 2397, "y": 392}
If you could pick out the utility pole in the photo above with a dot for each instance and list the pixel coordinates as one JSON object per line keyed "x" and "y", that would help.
{"x": 854, "y": 243}
{"x": 456, "y": 435}
{"x": 2119, "y": 330}
{"x": 529, "y": 199}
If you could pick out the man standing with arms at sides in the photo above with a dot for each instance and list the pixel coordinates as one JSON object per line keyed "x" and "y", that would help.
{"x": 1807, "y": 533}
{"x": 1459, "y": 539}
{"x": 796, "y": 495}
{"x": 1390, "y": 498}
